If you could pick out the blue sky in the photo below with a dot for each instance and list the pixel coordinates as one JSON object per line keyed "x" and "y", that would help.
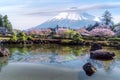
{"x": 25, "y": 14}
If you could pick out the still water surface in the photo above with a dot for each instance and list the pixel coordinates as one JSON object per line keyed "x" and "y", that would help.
{"x": 55, "y": 62}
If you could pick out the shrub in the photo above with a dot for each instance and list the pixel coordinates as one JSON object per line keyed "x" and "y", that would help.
{"x": 114, "y": 39}
{"x": 14, "y": 37}
{"x": 29, "y": 38}
{"x": 77, "y": 38}
{"x": 22, "y": 36}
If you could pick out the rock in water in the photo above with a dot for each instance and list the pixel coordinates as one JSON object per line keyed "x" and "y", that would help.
{"x": 102, "y": 54}
{"x": 4, "y": 52}
{"x": 89, "y": 69}
{"x": 95, "y": 46}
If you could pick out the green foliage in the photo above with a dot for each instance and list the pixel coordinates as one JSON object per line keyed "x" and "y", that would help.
{"x": 1, "y": 22}
{"x": 118, "y": 36}
{"x": 114, "y": 39}
{"x": 14, "y": 37}
{"x": 6, "y": 23}
{"x": 77, "y": 38}
{"x": 22, "y": 36}
{"x": 69, "y": 34}
{"x": 9, "y": 27}
{"x": 29, "y": 38}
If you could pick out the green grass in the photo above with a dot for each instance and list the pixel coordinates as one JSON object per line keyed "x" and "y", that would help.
{"x": 4, "y": 38}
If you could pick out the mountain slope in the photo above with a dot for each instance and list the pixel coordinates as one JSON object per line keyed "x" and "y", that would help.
{"x": 71, "y": 19}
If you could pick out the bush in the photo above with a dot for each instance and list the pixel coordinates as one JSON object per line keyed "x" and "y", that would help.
{"x": 114, "y": 39}
{"x": 22, "y": 36}
{"x": 14, "y": 37}
{"x": 77, "y": 38}
{"x": 29, "y": 38}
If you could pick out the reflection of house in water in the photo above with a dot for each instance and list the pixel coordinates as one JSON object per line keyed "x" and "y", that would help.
{"x": 4, "y": 31}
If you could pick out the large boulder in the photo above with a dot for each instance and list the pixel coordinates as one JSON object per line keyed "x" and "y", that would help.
{"x": 4, "y": 52}
{"x": 95, "y": 46}
{"x": 102, "y": 54}
{"x": 89, "y": 69}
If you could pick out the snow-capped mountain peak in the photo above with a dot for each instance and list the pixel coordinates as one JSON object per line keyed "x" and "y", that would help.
{"x": 66, "y": 15}
{"x": 70, "y": 19}
{"x": 75, "y": 16}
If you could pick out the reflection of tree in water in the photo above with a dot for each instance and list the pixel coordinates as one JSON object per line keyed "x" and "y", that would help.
{"x": 3, "y": 62}
{"x": 55, "y": 53}
{"x": 61, "y": 50}
{"x": 21, "y": 50}
{"x": 77, "y": 51}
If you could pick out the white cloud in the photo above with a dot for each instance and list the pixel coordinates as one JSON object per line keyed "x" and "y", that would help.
{"x": 94, "y": 6}
{"x": 79, "y": 9}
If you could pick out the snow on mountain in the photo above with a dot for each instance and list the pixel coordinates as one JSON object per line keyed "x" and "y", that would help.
{"x": 69, "y": 19}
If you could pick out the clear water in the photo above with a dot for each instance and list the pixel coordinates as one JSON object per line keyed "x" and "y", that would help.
{"x": 55, "y": 62}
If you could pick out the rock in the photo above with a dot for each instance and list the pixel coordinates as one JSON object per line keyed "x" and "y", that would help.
{"x": 4, "y": 52}
{"x": 102, "y": 55}
{"x": 95, "y": 46}
{"x": 89, "y": 69}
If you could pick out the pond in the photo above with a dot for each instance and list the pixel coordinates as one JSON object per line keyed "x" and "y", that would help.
{"x": 55, "y": 62}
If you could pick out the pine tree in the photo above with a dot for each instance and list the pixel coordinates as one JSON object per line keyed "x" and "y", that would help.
{"x": 10, "y": 26}
{"x": 6, "y": 23}
{"x": 1, "y": 21}
{"x": 107, "y": 18}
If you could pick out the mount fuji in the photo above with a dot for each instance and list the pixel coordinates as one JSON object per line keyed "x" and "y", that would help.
{"x": 69, "y": 19}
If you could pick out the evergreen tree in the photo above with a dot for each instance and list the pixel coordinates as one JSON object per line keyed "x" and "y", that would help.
{"x": 90, "y": 27}
{"x": 107, "y": 18}
{"x": 6, "y": 23}
{"x": 1, "y": 21}
{"x": 10, "y": 26}
{"x": 53, "y": 32}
